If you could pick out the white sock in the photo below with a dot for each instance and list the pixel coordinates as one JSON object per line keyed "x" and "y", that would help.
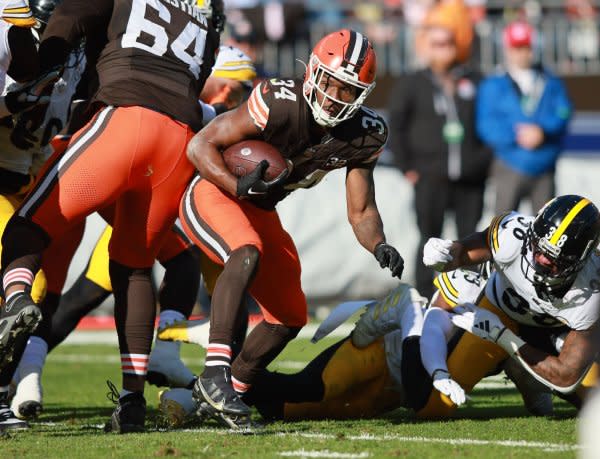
{"x": 411, "y": 322}
{"x": 168, "y": 316}
{"x": 4, "y": 388}
{"x": 35, "y": 354}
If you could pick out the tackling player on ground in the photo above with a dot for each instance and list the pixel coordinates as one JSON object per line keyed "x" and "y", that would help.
{"x": 547, "y": 276}
{"x": 318, "y": 124}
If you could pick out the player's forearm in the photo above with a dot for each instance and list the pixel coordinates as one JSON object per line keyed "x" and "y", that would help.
{"x": 560, "y": 374}
{"x": 472, "y": 250}
{"x": 551, "y": 370}
{"x": 70, "y": 22}
{"x": 207, "y": 159}
{"x": 367, "y": 227}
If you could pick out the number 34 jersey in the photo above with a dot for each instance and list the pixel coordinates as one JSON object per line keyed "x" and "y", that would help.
{"x": 509, "y": 289}
{"x": 159, "y": 52}
{"x": 281, "y": 113}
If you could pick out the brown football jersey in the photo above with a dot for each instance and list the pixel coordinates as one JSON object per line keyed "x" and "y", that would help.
{"x": 158, "y": 54}
{"x": 280, "y": 111}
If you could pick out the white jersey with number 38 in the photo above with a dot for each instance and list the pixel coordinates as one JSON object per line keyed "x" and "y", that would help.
{"x": 511, "y": 291}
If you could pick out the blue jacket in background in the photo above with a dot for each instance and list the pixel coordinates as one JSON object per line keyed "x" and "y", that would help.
{"x": 499, "y": 110}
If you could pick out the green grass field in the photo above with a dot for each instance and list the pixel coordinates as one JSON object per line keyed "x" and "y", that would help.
{"x": 494, "y": 424}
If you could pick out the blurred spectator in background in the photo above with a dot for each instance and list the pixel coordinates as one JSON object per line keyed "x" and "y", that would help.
{"x": 414, "y": 14}
{"x": 432, "y": 131}
{"x": 522, "y": 114}
{"x": 583, "y": 35}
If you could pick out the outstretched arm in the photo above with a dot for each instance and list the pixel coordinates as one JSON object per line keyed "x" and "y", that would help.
{"x": 363, "y": 214}
{"x": 366, "y": 222}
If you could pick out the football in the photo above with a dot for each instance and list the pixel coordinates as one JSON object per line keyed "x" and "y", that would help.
{"x": 243, "y": 157}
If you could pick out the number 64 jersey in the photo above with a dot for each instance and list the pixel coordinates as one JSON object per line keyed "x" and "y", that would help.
{"x": 158, "y": 52}
{"x": 281, "y": 113}
{"x": 509, "y": 289}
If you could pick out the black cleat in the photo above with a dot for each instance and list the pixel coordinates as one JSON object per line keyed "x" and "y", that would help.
{"x": 130, "y": 413}
{"x": 239, "y": 423}
{"x": 8, "y": 420}
{"x": 19, "y": 317}
{"x": 218, "y": 392}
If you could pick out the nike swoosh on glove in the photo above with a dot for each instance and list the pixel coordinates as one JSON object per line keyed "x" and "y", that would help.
{"x": 253, "y": 184}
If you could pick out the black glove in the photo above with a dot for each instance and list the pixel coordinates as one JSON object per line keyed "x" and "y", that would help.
{"x": 33, "y": 93}
{"x": 22, "y": 138}
{"x": 388, "y": 257}
{"x": 253, "y": 184}
{"x": 23, "y": 135}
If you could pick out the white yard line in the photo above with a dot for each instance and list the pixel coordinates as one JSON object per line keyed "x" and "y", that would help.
{"x": 544, "y": 446}
{"x": 323, "y": 453}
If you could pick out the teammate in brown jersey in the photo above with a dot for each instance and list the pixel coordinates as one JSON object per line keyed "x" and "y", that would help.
{"x": 130, "y": 155}
{"x": 319, "y": 125}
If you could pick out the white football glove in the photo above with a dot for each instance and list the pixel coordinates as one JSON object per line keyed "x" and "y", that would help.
{"x": 436, "y": 253}
{"x": 478, "y": 321}
{"x": 449, "y": 387}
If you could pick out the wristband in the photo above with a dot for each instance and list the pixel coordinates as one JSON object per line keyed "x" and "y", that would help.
{"x": 510, "y": 342}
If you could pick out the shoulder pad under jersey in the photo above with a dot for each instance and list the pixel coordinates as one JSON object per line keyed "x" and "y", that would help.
{"x": 506, "y": 235}
{"x": 459, "y": 286}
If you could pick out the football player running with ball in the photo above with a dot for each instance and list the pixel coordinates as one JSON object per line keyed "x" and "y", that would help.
{"x": 319, "y": 125}
{"x": 547, "y": 275}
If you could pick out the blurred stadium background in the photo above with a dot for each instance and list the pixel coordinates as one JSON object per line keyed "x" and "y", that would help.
{"x": 279, "y": 34}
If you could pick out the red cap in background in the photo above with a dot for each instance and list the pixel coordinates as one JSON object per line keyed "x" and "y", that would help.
{"x": 517, "y": 34}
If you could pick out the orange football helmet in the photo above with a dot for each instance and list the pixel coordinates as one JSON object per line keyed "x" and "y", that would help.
{"x": 347, "y": 56}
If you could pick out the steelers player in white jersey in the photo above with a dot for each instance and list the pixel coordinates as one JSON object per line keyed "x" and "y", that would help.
{"x": 452, "y": 289}
{"x": 547, "y": 276}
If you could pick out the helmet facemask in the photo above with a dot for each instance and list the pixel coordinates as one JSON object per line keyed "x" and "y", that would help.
{"x": 316, "y": 80}
{"x": 550, "y": 281}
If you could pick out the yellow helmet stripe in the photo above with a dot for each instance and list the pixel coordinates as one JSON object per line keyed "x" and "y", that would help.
{"x": 567, "y": 221}
{"x": 20, "y": 9}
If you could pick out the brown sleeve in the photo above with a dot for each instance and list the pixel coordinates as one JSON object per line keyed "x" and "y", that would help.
{"x": 24, "y": 63}
{"x": 71, "y": 21}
